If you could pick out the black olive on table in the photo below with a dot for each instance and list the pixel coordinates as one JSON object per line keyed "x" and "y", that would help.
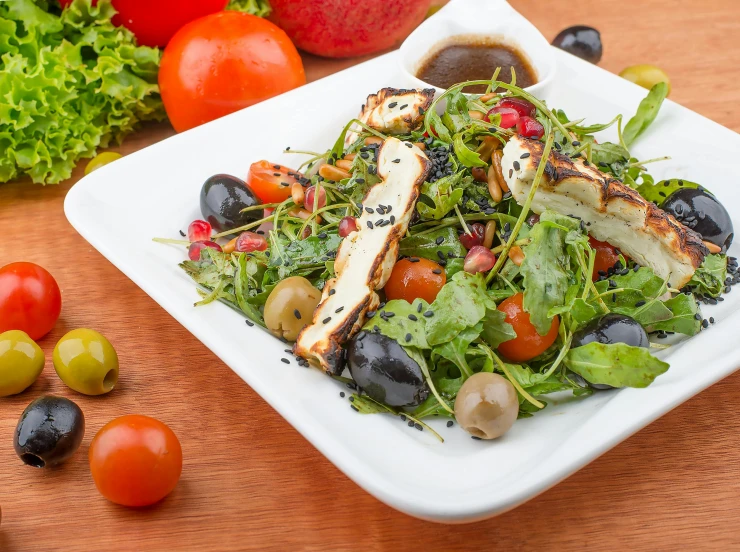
{"x": 49, "y": 431}
{"x": 221, "y": 200}
{"x": 608, "y": 329}
{"x": 383, "y": 370}
{"x": 581, "y": 41}
{"x": 700, "y": 211}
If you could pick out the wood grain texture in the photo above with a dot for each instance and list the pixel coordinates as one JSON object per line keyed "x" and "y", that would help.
{"x": 250, "y": 481}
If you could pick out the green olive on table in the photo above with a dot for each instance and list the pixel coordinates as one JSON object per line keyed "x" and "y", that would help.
{"x": 290, "y": 307}
{"x": 646, "y": 75}
{"x": 21, "y": 362}
{"x": 86, "y": 362}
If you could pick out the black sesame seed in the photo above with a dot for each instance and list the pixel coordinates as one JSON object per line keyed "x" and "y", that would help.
{"x": 249, "y": 322}
{"x": 340, "y": 309}
{"x": 475, "y": 437}
{"x": 697, "y": 316}
{"x": 516, "y": 165}
{"x": 419, "y": 307}
{"x": 418, "y": 426}
{"x": 353, "y": 407}
{"x": 440, "y": 254}
{"x": 636, "y": 267}
{"x": 522, "y": 156}
{"x": 439, "y": 241}
{"x": 507, "y": 227}
{"x": 711, "y": 319}
{"x": 182, "y": 233}
{"x": 640, "y": 303}
{"x": 403, "y": 417}
{"x": 450, "y": 423}
{"x": 411, "y": 424}
{"x": 575, "y": 143}
{"x": 392, "y": 105}
{"x": 390, "y": 314}
{"x": 370, "y": 225}
{"x": 297, "y": 314}
{"x": 437, "y": 271}
{"x": 369, "y": 210}
{"x": 341, "y": 394}
{"x": 705, "y": 323}
{"x": 413, "y": 259}
{"x": 404, "y": 106}
{"x": 290, "y": 351}
{"x": 285, "y": 360}
{"x": 511, "y": 172}
{"x": 614, "y": 297}
{"x": 428, "y": 314}
{"x": 351, "y": 399}
{"x": 413, "y": 318}
{"x": 408, "y": 337}
{"x": 392, "y": 219}
{"x": 332, "y": 291}
{"x": 408, "y": 144}
{"x": 326, "y": 320}
{"x": 360, "y": 180}
{"x": 442, "y": 263}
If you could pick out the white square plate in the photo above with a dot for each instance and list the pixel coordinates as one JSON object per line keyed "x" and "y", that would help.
{"x": 462, "y": 479}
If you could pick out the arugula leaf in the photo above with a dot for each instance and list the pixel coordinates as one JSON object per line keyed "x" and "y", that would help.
{"x": 644, "y": 280}
{"x": 464, "y": 154}
{"x": 455, "y": 116}
{"x": 460, "y": 304}
{"x": 657, "y": 193}
{"x": 456, "y": 349}
{"x": 426, "y": 246}
{"x": 647, "y": 111}
{"x": 291, "y": 257}
{"x": 400, "y": 325}
{"x": 444, "y": 193}
{"x": 616, "y": 364}
{"x": 611, "y": 156}
{"x": 683, "y": 316}
{"x": 546, "y": 268}
{"x": 495, "y": 328}
{"x": 242, "y": 291}
{"x": 709, "y": 278}
{"x": 582, "y": 312}
{"x": 536, "y": 383}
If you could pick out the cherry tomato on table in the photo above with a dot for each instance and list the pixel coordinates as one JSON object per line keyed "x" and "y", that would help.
{"x": 411, "y": 280}
{"x": 606, "y": 256}
{"x": 224, "y": 62}
{"x": 271, "y": 182}
{"x": 135, "y": 460}
{"x": 30, "y": 299}
{"x": 528, "y": 343}
{"x": 154, "y": 22}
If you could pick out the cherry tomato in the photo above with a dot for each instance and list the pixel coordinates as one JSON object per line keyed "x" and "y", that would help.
{"x": 154, "y": 22}
{"x": 135, "y": 460}
{"x": 271, "y": 182}
{"x": 30, "y": 299}
{"x": 528, "y": 343}
{"x": 225, "y": 62}
{"x": 606, "y": 256}
{"x": 414, "y": 279}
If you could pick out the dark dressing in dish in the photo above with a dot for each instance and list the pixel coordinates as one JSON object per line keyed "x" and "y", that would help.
{"x": 460, "y": 62}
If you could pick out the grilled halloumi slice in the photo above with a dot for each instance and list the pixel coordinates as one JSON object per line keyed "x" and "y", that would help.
{"x": 366, "y": 257}
{"x": 613, "y": 212}
{"x": 392, "y": 111}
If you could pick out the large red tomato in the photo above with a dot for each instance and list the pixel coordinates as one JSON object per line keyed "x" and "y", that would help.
{"x": 30, "y": 299}
{"x": 154, "y": 22}
{"x": 345, "y": 28}
{"x": 224, "y": 62}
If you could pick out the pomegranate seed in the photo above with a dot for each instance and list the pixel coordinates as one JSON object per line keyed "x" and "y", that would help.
{"x": 310, "y": 193}
{"x": 250, "y": 241}
{"x": 346, "y": 226}
{"x": 196, "y": 247}
{"x": 477, "y": 233}
{"x": 530, "y": 128}
{"x": 533, "y": 219}
{"x": 479, "y": 259}
{"x": 523, "y": 107}
{"x": 509, "y": 116}
{"x": 199, "y": 230}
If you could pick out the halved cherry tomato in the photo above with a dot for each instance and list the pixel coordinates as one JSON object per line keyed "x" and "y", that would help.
{"x": 225, "y": 62}
{"x": 606, "y": 256}
{"x": 271, "y": 182}
{"x": 414, "y": 279}
{"x": 30, "y": 299}
{"x": 135, "y": 460}
{"x": 528, "y": 343}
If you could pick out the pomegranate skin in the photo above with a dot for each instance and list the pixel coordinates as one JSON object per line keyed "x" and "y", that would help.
{"x": 347, "y": 28}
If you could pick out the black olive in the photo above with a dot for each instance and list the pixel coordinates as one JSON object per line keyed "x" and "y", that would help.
{"x": 223, "y": 197}
{"x": 49, "y": 431}
{"x": 581, "y": 41}
{"x": 611, "y": 328}
{"x": 383, "y": 370}
{"x": 700, "y": 211}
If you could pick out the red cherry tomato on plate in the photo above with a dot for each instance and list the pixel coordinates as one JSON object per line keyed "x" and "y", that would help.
{"x": 30, "y": 299}
{"x": 135, "y": 460}
{"x": 411, "y": 280}
{"x": 225, "y": 62}
{"x": 154, "y": 22}
{"x": 271, "y": 182}
{"x": 528, "y": 343}
{"x": 606, "y": 256}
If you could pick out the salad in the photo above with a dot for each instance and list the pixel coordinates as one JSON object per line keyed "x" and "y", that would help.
{"x": 467, "y": 256}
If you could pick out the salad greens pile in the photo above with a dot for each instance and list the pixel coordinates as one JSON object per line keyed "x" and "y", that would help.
{"x": 70, "y": 82}
{"x": 467, "y": 327}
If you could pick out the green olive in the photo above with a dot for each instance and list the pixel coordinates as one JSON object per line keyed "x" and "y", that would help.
{"x": 86, "y": 362}
{"x": 290, "y": 307}
{"x": 21, "y": 362}
{"x": 486, "y": 405}
{"x": 101, "y": 159}
{"x": 646, "y": 75}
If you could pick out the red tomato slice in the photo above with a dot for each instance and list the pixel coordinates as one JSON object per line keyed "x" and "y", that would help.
{"x": 271, "y": 182}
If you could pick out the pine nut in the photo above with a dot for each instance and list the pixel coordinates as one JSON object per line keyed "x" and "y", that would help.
{"x": 343, "y": 164}
{"x": 485, "y": 98}
{"x": 489, "y": 234}
{"x": 494, "y": 188}
{"x": 490, "y": 143}
{"x": 299, "y": 195}
{"x": 476, "y": 115}
{"x": 302, "y": 214}
{"x": 331, "y": 172}
{"x": 497, "y": 155}
{"x": 421, "y": 145}
{"x": 370, "y": 140}
{"x": 479, "y": 174}
{"x": 350, "y": 156}
{"x": 516, "y": 255}
{"x": 230, "y": 247}
{"x": 712, "y": 247}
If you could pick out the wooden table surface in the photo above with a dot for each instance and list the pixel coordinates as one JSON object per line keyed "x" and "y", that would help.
{"x": 250, "y": 481}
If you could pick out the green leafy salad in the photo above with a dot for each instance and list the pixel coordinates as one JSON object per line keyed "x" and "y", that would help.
{"x": 500, "y": 295}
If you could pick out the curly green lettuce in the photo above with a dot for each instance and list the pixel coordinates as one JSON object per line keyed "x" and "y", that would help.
{"x": 70, "y": 82}
{"x": 260, "y": 8}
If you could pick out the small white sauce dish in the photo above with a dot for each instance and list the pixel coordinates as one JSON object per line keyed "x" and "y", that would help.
{"x": 494, "y": 20}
